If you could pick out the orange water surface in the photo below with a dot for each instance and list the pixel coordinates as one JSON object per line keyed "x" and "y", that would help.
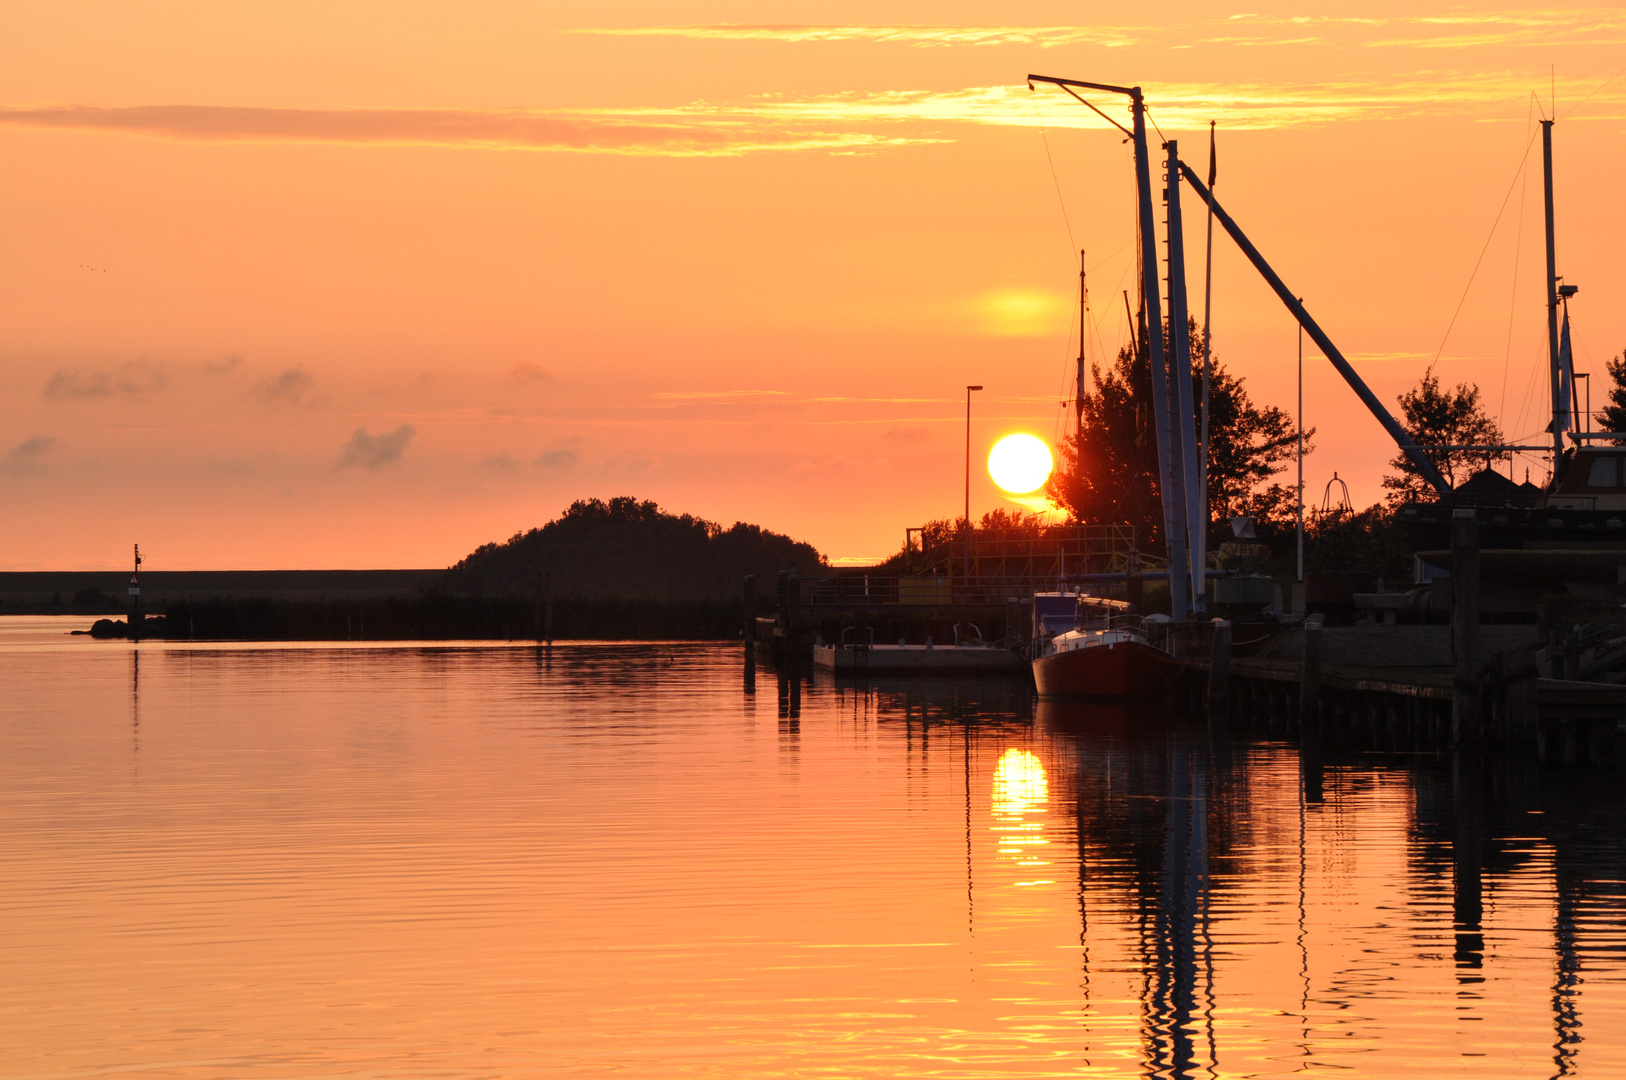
{"x": 476, "y": 860}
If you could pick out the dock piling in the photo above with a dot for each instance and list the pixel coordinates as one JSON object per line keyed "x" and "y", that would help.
{"x": 1310, "y": 678}
{"x": 1219, "y": 666}
{"x": 1465, "y": 633}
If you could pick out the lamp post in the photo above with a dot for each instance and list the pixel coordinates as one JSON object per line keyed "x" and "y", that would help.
{"x": 968, "y": 482}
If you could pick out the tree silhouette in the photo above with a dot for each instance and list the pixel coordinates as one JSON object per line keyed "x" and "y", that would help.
{"x": 1612, "y": 417}
{"x": 1433, "y": 416}
{"x": 631, "y": 548}
{"x": 1109, "y": 473}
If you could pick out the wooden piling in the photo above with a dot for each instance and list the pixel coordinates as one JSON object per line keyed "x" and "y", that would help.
{"x": 750, "y": 619}
{"x": 547, "y": 609}
{"x": 1465, "y": 635}
{"x": 1310, "y": 674}
{"x": 1219, "y": 666}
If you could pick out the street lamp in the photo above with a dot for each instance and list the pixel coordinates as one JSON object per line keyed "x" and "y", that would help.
{"x": 968, "y": 481}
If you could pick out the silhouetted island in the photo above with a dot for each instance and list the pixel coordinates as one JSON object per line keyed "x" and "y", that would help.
{"x": 630, "y": 549}
{"x": 622, "y": 569}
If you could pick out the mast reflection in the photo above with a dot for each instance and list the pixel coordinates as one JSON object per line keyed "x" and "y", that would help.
{"x": 1143, "y": 806}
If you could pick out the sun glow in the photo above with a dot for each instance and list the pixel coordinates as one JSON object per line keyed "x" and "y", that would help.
{"x": 1020, "y": 463}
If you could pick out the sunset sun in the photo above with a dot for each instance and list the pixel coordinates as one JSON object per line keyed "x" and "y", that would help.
{"x": 1020, "y": 463}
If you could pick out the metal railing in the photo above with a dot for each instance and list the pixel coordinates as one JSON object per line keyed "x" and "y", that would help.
{"x": 1040, "y": 551}
{"x": 870, "y": 590}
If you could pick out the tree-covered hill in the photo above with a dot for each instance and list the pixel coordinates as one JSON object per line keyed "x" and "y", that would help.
{"x": 632, "y": 549}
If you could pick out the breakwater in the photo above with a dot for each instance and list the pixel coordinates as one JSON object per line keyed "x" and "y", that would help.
{"x": 445, "y": 616}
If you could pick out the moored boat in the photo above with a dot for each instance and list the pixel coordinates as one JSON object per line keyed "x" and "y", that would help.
{"x": 1106, "y": 654}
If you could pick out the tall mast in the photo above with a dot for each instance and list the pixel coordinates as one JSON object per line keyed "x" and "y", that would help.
{"x": 1560, "y": 406}
{"x": 1172, "y": 472}
{"x": 1083, "y": 332}
{"x": 1199, "y": 527}
{"x": 1180, "y": 400}
{"x": 1170, "y": 459}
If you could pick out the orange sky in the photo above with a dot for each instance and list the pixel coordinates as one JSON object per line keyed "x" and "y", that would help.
{"x": 284, "y": 285}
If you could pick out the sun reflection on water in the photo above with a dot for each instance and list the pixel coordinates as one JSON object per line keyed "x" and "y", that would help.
{"x": 1021, "y": 796}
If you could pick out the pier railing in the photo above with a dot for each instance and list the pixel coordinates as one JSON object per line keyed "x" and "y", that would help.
{"x": 871, "y": 590}
{"x": 1019, "y": 552}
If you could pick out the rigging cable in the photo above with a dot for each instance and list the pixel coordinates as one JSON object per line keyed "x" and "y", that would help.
{"x": 1600, "y": 86}
{"x": 1512, "y": 300}
{"x": 1044, "y": 135}
{"x": 1477, "y": 262}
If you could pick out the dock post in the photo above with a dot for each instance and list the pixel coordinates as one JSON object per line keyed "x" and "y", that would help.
{"x": 1310, "y": 676}
{"x": 1465, "y": 635}
{"x": 749, "y": 624}
{"x": 793, "y": 610}
{"x": 1219, "y": 666}
{"x": 547, "y": 609}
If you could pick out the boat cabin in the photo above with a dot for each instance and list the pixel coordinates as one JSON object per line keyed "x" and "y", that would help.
{"x": 1591, "y": 479}
{"x": 1059, "y": 612}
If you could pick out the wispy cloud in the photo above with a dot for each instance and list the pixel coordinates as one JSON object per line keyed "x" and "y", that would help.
{"x": 376, "y": 451}
{"x": 531, "y": 372}
{"x": 675, "y": 133}
{"x": 716, "y": 395}
{"x": 1043, "y": 37}
{"x": 559, "y": 459}
{"x": 27, "y": 458}
{"x": 1237, "y": 106}
{"x": 839, "y": 123}
{"x": 128, "y": 380}
{"x": 1466, "y": 29}
{"x": 293, "y": 387}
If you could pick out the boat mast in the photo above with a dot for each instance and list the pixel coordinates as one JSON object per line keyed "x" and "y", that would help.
{"x": 1199, "y": 534}
{"x": 1180, "y": 401}
{"x": 1171, "y": 461}
{"x": 1560, "y": 406}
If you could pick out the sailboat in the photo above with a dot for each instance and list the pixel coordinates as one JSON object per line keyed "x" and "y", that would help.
{"x": 1107, "y": 651}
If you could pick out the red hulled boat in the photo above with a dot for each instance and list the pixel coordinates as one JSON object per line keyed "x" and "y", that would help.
{"x": 1106, "y": 654}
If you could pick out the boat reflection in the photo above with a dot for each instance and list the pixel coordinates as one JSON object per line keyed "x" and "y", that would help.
{"x": 1237, "y": 892}
{"x": 1174, "y": 824}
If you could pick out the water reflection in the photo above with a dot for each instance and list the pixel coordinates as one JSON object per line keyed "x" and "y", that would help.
{"x": 462, "y": 862}
{"x": 1021, "y": 795}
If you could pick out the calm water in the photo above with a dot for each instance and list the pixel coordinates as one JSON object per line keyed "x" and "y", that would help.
{"x": 630, "y": 860}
